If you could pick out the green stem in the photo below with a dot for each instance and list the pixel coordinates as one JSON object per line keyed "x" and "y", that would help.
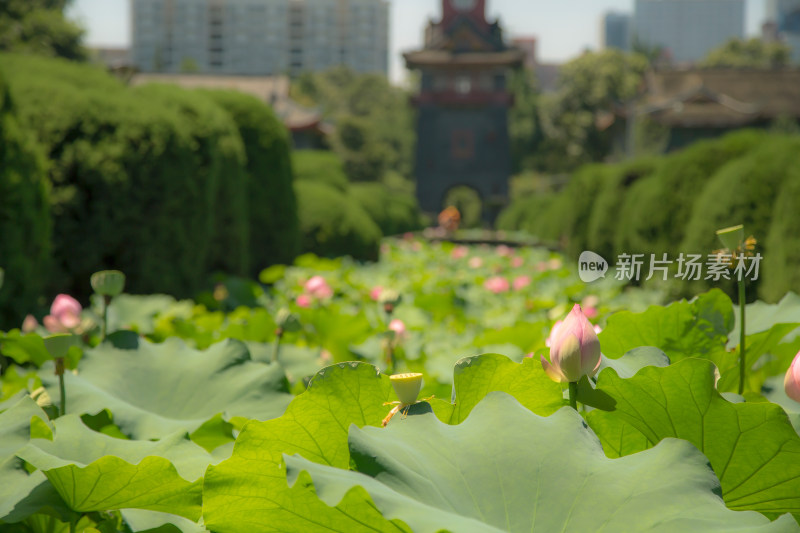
{"x": 62, "y": 389}
{"x": 742, "y": 355}
{"x": 276, "y": 346}
{"x": 573, "y": 395}
{"x": 104, "y": 330}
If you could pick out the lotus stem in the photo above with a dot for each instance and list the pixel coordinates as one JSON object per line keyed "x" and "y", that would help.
{"x": 62, "y": 389}
{"x": 573, "y": 395}
{"x": 742, "y": 335}
{"x": 276, "y": 346}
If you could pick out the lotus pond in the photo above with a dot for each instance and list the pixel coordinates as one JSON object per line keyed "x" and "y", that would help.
{"x": 260, "y": 406}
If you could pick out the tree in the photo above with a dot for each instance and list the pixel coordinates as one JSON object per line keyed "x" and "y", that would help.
{"x": 39, "y": 27}
{"x": 374, "y": 121}
{"x": 576, "y": 120}
{"x": 754, "y": 53}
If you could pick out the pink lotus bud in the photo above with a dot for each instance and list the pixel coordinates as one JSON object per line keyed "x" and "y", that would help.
{"x": 318, "y": 287}
{"x": 590, "y": 312}
{"x": 459, "y": 252}
{"x": 29, "y": 324}
{"x": 375, "y": 293}
{"x": 517, "y": 262}
{"x": 497, "y": 285}
{"x": 475, "y": 262}
{"x": 792, "y": 381}
{"x": 574, "y": 350}
{"x": 304, "y": 301}
{"x": 399, "y": 327}
{"x": 65, "y": 314}
{"x": 520, "y": 282}
{"x": 553, "y": 333}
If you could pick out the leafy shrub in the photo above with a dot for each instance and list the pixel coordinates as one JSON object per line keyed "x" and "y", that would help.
{"x": 319, "y": 166}
{"x": 220, "y": 160}
{"x": 745, "y": 192}
{"x": 605, "y": 221}
{"x": 334, "y": 224}
{"x": 657, "y": 207}
{"x": 25, "y": 222}
{"x": 127, "y": 191}
{"x": 783, "y": 243}
{"x": 272, "y": 205}
{"x": 392, "y": 211}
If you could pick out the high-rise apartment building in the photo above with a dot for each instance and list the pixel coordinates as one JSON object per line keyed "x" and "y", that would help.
{"x": 687, "y": 30}
{"x": 617, "y": 31}
{"x": 260, "y": 37}
{"x": 785, "y": 14}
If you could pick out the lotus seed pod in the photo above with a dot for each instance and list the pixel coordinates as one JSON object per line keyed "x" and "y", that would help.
{"x": 108, "y": 282}
{"x": 390, "y": 297}
{"x": 407, "y": 387}
{"x": 731, "y": 238}
{"x": 58, "y": 345}
{"x": 287, "y": 321}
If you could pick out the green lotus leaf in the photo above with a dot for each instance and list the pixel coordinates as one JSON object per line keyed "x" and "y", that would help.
{"x": 21, "y": 494}
{"x": 629, "y": 364}
{"x": 774, "y": 391}
{"x": 248, "y": 492}
{"x": 141, "y": 521}
{"x": 506, "y": 469}
{"x": 762, "y": 316}
{"x": 475, "y": 377}
{"x": 681, "y": 329}
{"x": 159, "y": 389}
{"x": 94, "y": 472}
{"x": 751, "y": 446}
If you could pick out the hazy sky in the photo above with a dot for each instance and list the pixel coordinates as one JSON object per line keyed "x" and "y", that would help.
{"x": 564, "y": 27}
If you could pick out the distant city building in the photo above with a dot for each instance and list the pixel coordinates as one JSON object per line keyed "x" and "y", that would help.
{"x": 259, "y": 37}
{"x": 785, "y": 14}
{"x": 617, "y": 31}
{"x": 687, "y": 30}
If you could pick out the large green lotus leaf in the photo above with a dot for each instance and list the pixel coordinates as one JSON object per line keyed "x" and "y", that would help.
{"x": 129, "y": 311}
{"x": 21, "y": 494}
{"x": 506, "y": 469}
{"x": 633, "y": 361}
{"x": 761, "y": 316}
{"x": 24, "y": 348}
{"x": 767, "y": 342}
{"x": 475, "y": 377}
{"x": 775, "y": 391}
{"x": 95, "y": 472}
{"x": 159, "y": 389}
{"x": 681, "y": 329}
{"x": 139, "y": 520}
{"x": 75, "y": 444}
{"x": 248, "y": 492}
{"x": 751, "y": 446}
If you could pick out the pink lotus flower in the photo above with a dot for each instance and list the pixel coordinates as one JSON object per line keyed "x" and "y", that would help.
{"x": 792, "y": 380}
{"x": 553, "y": 333}
{"x": 574, "y": 349}
{"x": 304, "y": 301}
{"x": 541, "y": 266}
{"x": 520, "y": 282}
{"x": 517, "y": 261}
{"x": 497, "y": 285}
{"x": 554, "y": 264}
{"x": 459, "y": 252}
{"x": 29, "y": 324}
{"x": 318, "y": 288}
{"x": 503, "y": 251}
{"x": 475, "y": 262}
{"x": 375, "y": 293}
{"x": 590, "y": 312}
{"x": 65, "y": 314}
{"x": 399, "y": 328}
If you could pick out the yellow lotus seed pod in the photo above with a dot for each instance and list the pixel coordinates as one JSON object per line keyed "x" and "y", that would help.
{"x": 732, "y": 238}
{"x": 407, "y": 387}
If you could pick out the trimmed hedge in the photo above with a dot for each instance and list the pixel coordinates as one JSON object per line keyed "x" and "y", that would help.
{"x": 655, "y": 206}
{"x": 746, "y": 191}
{"x": 320, "y": 166}
{"x": 394, "y": 212}
{"x": 272, "y": 205}
{"x": 331, "y": 223}
{"x": 220, "y": 160}
{"x": 25, "y": 222}
{"x": 127, "y": 188}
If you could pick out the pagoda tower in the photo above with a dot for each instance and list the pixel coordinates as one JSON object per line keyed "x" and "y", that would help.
{"x": 463, "y": 103}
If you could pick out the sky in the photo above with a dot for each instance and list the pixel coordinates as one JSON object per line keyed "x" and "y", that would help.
{"x": 564, "y": 28}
